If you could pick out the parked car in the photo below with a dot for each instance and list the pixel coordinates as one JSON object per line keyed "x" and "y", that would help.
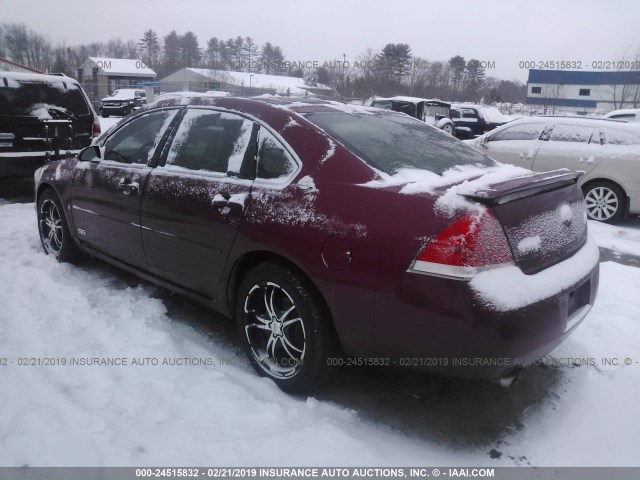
{"x": 42, "y": 117}
{"x": 432, "y": 112}
{"x": 474, "y": 119}
{"x": 122, "y": 102}
{"x": 607, "y": 151}
{"x": 328, "y": 229}
{"x": 625, "y": 115}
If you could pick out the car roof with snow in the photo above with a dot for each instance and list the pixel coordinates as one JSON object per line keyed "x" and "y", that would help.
{"x": 402, "y": 98}
{"x": 290, "y": 104}
{"x": 624, "y": 111}
{"x": 37, "y": 77}
{"x": 596, "y": 122}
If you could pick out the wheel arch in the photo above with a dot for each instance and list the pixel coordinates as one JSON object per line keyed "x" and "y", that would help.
{"x": 252, "y": 259}
{"x": 625, "y": 195}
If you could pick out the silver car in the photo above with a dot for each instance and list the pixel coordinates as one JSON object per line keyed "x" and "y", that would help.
{"x": 608, "y": 151}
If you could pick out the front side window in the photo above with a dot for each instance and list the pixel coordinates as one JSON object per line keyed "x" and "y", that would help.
{"x": 574, "y": 133}
{"x": 136, "y": 142}
{"x": 526, "y": 131}
{"x": 211, "y": 141}
{"x": 391, "y": 142}
{"x": 274, "y": 162}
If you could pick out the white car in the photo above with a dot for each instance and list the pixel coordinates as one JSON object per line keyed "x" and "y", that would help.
{"x": 607, "y": 151}
{"x": 626, "y": 115}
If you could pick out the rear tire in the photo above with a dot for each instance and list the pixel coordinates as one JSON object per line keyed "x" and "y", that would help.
{"x": 605, "y": 201}
{"x": 284, "y": 328}
{"x": 54, "y": 230}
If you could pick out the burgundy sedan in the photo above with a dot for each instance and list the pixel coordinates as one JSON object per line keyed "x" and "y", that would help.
{"x": 331, "y": 233}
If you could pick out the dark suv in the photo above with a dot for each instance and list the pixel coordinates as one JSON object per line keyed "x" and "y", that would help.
{"x": 123, "y": 102}
{"x": 472, "y": 120}
{"x": 42, "y": 117}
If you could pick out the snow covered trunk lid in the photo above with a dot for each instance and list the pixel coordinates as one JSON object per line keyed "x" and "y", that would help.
{"x": 544, "y": 219}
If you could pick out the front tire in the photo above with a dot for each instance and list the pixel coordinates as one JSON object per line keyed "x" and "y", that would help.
{"x": 284, "y": 328}
{"x": 605, "y": 201}
{"x": 54, "y": 230}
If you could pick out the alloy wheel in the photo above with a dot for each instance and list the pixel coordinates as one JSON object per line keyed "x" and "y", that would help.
{"x": 51, "y": 227}
{"x": 274, "y": 330}
{"x": 602, "y": 203}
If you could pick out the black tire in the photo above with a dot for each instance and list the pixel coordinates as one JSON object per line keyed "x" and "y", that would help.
{"x": 104, "y": 115}
{"x": 54, "y": 230}
{"x": 605, "y": 201}
{"x": 284, "y": 328}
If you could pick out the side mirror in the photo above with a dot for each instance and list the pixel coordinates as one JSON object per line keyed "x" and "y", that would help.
{"x": 89, "y": 154}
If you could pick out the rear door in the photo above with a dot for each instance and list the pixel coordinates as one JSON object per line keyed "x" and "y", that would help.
{"x": 195, "y": 200}
{"x": 577, "y": 147}
{"x": 106, "y": 193}
{"x": 516, "y": 145}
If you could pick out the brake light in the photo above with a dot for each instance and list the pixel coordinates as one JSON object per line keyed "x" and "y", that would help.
{"x": 96, "y": 130}
{"x": 471, "y": 244}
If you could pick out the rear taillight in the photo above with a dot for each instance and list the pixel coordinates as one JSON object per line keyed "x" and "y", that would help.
{"x": 96, "y": 130}
{"x": 471, "y": 244}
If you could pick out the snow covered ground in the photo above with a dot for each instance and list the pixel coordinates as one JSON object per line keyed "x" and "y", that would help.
{"x": 564, "y": 412}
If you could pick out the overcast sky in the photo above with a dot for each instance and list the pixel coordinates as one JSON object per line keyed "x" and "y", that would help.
{"x": 504, "y": 32}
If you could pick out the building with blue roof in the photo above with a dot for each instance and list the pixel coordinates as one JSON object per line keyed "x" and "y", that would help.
{"x": 582, "y": 91}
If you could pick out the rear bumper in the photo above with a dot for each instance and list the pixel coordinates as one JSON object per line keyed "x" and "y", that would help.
{"x": 445, "y": 326}
{"x": 20, "y": 164}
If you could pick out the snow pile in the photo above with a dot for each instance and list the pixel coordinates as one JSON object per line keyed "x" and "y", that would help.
{"x": 620, "y": 239}
{"x": 507, "y": 288}
{"x": 464, "y": 180}
{"x": 529, "y": 244}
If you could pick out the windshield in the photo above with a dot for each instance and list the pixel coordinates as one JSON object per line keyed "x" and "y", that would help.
{"x": 23, "y": 98}
{"x": 389, "y": 142}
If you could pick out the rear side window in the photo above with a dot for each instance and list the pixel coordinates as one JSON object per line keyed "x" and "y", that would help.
{"x": 468, "y": 113}
{"x": 574, "y": 133}
{"x": 274, "y": 162}
{"x": 526, "y": 131}
{"x": 618, "y": 137}
{"x": 626, "y": 117}
{"x": 210, "y": 141}
{"x": 42, "y": 100}
{"x": 136, "y": 142}
{"x": 391, "y": 142}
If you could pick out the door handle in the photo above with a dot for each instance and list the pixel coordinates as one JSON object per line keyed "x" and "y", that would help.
{"x": 226, "y": 203}
{"x": 128, "y": 187}
{"x": 586, "y": 160}
{"x": 526, "y": 155}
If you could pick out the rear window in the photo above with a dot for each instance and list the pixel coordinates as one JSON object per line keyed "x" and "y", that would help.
{"x": 391, "y": 142}
{"x": 33, "y": 98}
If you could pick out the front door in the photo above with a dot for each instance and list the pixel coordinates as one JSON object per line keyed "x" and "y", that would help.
{"x": 106, "y": 193}
{"x": 516, "y": 145}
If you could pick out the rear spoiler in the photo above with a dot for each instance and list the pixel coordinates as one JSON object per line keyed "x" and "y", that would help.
{"x": 521, "y": 187}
